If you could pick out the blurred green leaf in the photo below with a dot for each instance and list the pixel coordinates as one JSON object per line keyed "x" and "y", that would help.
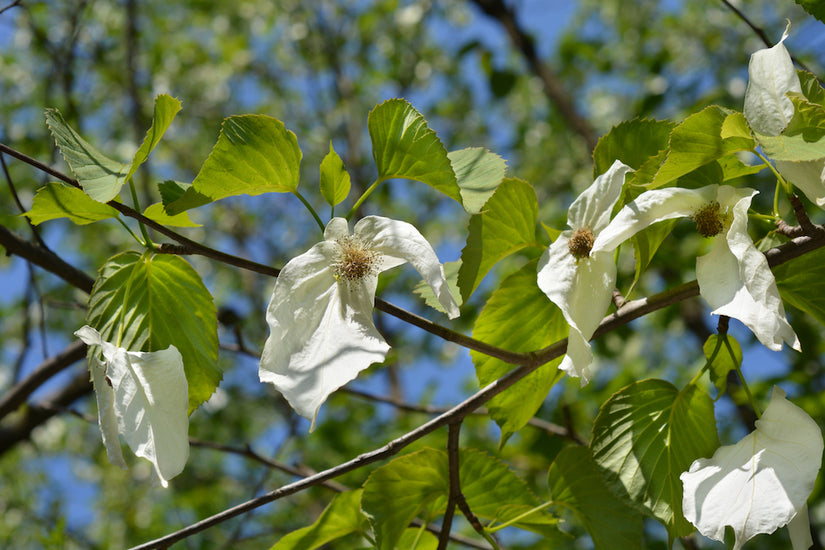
{"x": 255, "y": 154}
{"x": 507, "y": 224}
{"x": 57, "y": 200}
{"x": 725, "y": 360}
{"x": 647, "y": 434}
{"x": 518, "y": 317}
{"x": 403, "y": 146}
{"x": 576, "y": 483}
{"x": 157, "y": 301}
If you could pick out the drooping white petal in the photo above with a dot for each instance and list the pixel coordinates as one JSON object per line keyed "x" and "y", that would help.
{"x": 771, "y": 75}
{"x": 760, "y": 483}
{"x": 799, "y": 528}
{"x": 592, "y": 209}
{"x": 151, "y": 404}
{"x": 106, "y": 419}
{"x": 582, "y": 289}
{"x": 321, "y": 331}
{"x": 807, "y": 176}
{"x": 735, "y": 280}
{"x": 144, "y": 396}
{"x": 651, "y": 207}
{"x": 400, "y": 242}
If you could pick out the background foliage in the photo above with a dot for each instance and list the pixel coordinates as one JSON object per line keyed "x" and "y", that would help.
{"x": 536, "y": 82}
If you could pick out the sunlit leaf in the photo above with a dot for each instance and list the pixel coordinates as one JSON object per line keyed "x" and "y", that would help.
{"x": 575, "y": 483}
{"x": 99, "y": 176}
{"x": 157, "y": 213}
{"x": 159, "y": 300}
{"x": 57, "y": 200}
{"x": 802, "y": 285}
{"x": 403, "y": 146}
{"x": 518, "y": 317}
{"x": 335, "y": 180}
{"x": 255, "y": 154}
{"x": 478, "y": 173}
{"x": 340, "y": 518}
{"x": 645, "y": 436}
{"x": 633, "y": 142}
{"x": 507, "y": 224}
{"x": 702, "y": 138}
{"x": 166, "y": 107}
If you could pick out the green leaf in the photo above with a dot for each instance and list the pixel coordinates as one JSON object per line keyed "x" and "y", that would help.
{"x": 418, "y": 539}
{"x": 99, "y": 176}
{"x": 335, "y": 180}
{"x": 519, "y": 317}
{"x": 507, "y": 225}
{"x": 56, "y": 200}
{"x": 166, "y": 107}
{"x": 632, "y": 142}
{"x": 808, "y": 118}
{"x": 728, "y": 357}
{"x": 702, "y": 138}
{"x": 801, "y": 284}
{"x": 811, "y": 87}
{"x": 340, "y": 518}
{"x": 478, "y": 173}
{"x": 814, "y": 7}
{"x": 159, "y": 300}
{"x": 418, "y": 483}
{"x": 255, "y": 154}
{"x": 425, "y": 291}
{"x": 403, "y": 146}
{"x": 647, "y": 434}
{"x": 794, "y": 148}
{"x": 157, "y": 213}
{"x": 576, "y": 483}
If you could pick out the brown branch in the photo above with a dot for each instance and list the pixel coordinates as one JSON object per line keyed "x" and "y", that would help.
{"x": 553, "y": 88}
{"x": 801, "y": 215}
{"x": 17, "y": 395}
{"x": 454, "y": 491}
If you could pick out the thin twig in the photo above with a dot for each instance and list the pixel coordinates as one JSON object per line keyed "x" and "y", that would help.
{"x": 10, "y": 6}
{"x": 454, "y": 491}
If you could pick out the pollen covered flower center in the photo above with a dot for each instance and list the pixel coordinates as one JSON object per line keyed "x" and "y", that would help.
{"x": 581, "y": 243}
{"x": 710, "y": 220}
{"x": 355, "y": 260}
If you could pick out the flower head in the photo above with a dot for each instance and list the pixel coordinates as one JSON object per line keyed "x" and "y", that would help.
{"x": 768, "y": 109}
{"x": 760, "y": 483}
{"x": 320, "y": 315}
{"x": 577, "y": 279}
{"x": 144, "y": 397}
{"x": 734, "y": 276}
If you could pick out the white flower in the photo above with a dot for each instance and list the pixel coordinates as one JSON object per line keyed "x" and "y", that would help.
{"x": 578, "y": 280}
{"x": 734, "y": 276}
{"x": 760, "y": 483}
{"x": 320, "y": 315}
{"x": 771, "y": 75}
{"x": 143, "y": 396}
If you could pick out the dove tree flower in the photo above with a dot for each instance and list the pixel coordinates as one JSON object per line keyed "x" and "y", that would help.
{"x": 762, "y": 482}
{"x": 575, "y": 278}
{"x": 320, "y": 315}
{"x": 733, "y": 276}
{"x": 144, "y": 397}
{"x": 768, "y": 109}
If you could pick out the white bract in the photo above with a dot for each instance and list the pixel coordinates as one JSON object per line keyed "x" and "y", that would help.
{"x": 760, "y": 483}
{"x": 320, "y": 315}
{"x": 144, "y": 397}
{"x": 734, "y": 276}
{"x": 578, "y": 280}
{"x": 771, "y": 75}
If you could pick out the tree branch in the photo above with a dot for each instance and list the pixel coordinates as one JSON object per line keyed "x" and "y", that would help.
{"x": 454, "y": 491}
{"x": 553, "y": 89}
